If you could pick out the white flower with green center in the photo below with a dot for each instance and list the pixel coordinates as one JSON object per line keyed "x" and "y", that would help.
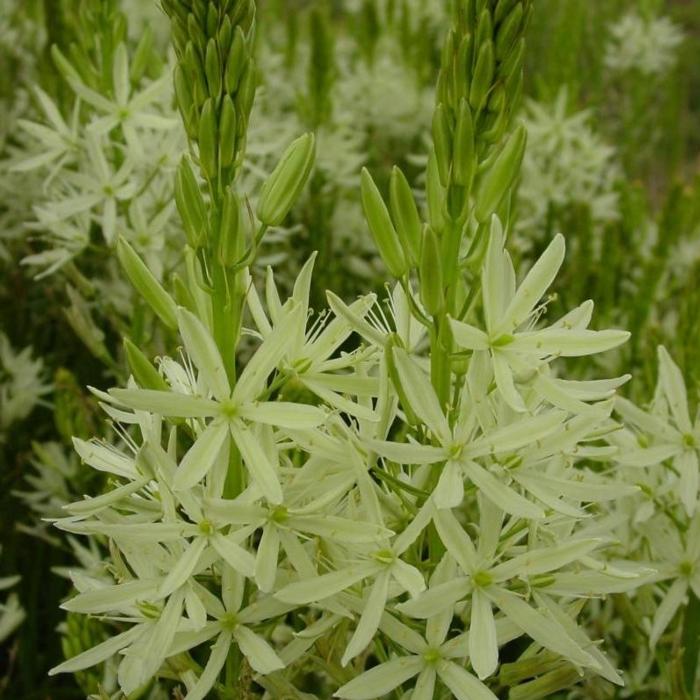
{"x": 125, "y": 110}
{"x": 460, "y": 447}
{"x": 677, "y": 557}
{"x": 233, "y": 412}
{"x": 514, "y": 347}
{"x": 666, "y": 432}
{"x": 647, "y": 45}
{"x": 309, "y": 354}
{"x": 384, "y": 566}
{"x": 284, "y": 525}
{"x": 429, "y": 658}
{"x": 487, "y": 583}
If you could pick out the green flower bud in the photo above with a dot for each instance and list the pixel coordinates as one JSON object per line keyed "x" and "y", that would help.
{"x": 499, "y": 178}
{"x": 435, "y": 195}
{"x": 236, "y": 62}
{"x": 283, "y": 186}
{"x": 404, "y": 213}
{"x": 185, "y": 101}
{"x": 383, "y": 231}
{"x": 190, "y": 204}
{"x": 484, "y": 29}
{"x": 143, "y": 370}
{"x": 431, "y": 280}
{"x": 464, "y": 154}
{"x": 227, "y": 132}
{"x": 231, "y": 230}
{"x": 508, "y": 31}
{"x": 212, "y": 68}
{"x": 502, "y": 9}
{"x": 196, "y": 72}
{"x": 142, "y": 56}
{"x": 207, "y": 139}
{"x": 483, "y": 75}
{"x": 146, "y": 284}
{"x": 442, "y": 142}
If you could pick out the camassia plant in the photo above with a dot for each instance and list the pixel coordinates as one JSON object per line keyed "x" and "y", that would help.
{"x": 389, "y": 499}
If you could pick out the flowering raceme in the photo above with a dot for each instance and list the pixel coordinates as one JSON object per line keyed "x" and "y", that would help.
{"x": 409, "y": 493}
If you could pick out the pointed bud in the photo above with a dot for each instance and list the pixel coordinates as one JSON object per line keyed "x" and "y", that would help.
{"x": 190, "y": 204}
{"x": 404, "y": 213}
{"x": 498, "y": 179}
{"x": 207, "y": 139}
{"x": 144, "y": 372}
{"x": 146, "y": 284}
{"x": 383, "y": 231}
{"x": 431, "y": 280}
{"x": 227, "y": 132}
{"x": 508, "y": 31}
{"x": 442, "y": 142}
{"x": 212, "y": 68}
{"x": 236, "y": 62}
{"x": 464, "y": 155}
{"x": 283, "y": 187}
{"x": 435, "y": 195}
{"x": 231, "y": 233}
{"x": 483, "y": 75}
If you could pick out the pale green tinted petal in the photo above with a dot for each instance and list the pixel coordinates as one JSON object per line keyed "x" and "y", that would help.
{"x": 409, "y": 577}
{"x": 239, "y": 559}
{"x": 541, "y": 629}
{"x": 673, "y": 385}
{"x": 503, "y": 496}
{"x": 261, "y": 656}
{"x": 267, "y": 357}
{"x": 355, "y": 319}
{"x": 540, "y": 561}
{"x": 436, "y": 599}
{"x": 647, "y": 456}
{"x": 216, "y": 661}
{"x": 421, "y": 395}
{"x": 463, "y": 685}
{"x": 99, "y": 653}
{"x": 505, "y": 382}
{"x": 311, "y": 590}
{"x": 201, "y": 456}
{"x": 200, "y": 346}
{"x": 687, "y": 465}
{"x": 648, "y": 422}
{"x": 257, "y": 462}
{"x": 339, "y": 329}
{"x": 425, "y": 685}
{"x": 339, "y": 402}
{"x": 369, "y": 620}
{"x": 110, "y": 597}
{"x": 468, "y": 337}
{"x": 266, "y": 559}
{"x": 89, "y": 506}
{"x": 407, "y": 453}
{"x": 404, "y": 636}
{"x": 283, "y": 414}
{"x": 564, "y": 343}
{"x": 449, "y": 491}
{"x": 183, "y": 569}
{"x": 456, "y": 540}
{"x": 522, "y": 432}
{"x": 558, "y": 395}
{"x": 667, "y": 609}
{"x": 579, "y": 636}
{"x": 535, "y": 284}
{"x": 166, "y": 403}
{"x": 340, "y": 529}
{"x": 381, "y": 679}
{"x": 234, "y": 512}
{"x": 483, "y": 647}
{"x": 494, "y": 290}
{"x": 105, "y": 459}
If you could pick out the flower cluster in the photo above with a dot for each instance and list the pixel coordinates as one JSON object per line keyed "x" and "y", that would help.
{"x": 647, "y": 45}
